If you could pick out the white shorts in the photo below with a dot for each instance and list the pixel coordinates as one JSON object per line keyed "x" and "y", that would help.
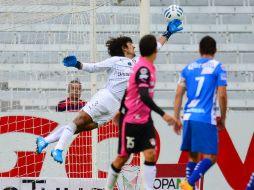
{"x": 102, "y": 106}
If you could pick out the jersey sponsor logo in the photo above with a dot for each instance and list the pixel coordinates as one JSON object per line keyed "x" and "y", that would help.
{"x": 196, "y": 110}
{"x": 121, "y": 74}
{"x": 143, "y": 77}
{"x": 196, "y": 65}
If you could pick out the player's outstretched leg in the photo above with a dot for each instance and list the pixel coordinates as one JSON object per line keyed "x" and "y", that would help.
{"x": 82, "y": 122}
{"x": 41, "y": 144}
{"x": 68, "y": 132}
{"x": 57, "y": 155}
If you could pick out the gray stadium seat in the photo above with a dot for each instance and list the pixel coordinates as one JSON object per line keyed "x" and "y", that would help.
{"x": 219, "y": 37}
{"x": 245, "y": 38}
{"x": 184, "y": 57}
{"x": 236, "y": 19}
{"x": 197, "y": 18}
{"x": 248, "y": 57}
{"x": 227, "y": 57}
{"x": 193, "y": 3}
{"x": 228, "y": 2}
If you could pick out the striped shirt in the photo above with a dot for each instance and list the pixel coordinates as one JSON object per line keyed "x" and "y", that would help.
{"x": 70, "y": 106}
{"x": 118, "y": 71}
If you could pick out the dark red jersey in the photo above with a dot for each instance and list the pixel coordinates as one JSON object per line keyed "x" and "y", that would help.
{"x": 71, "y": 106}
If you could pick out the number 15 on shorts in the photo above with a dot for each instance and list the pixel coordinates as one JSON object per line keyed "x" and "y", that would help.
{"x": 130, "y": 142}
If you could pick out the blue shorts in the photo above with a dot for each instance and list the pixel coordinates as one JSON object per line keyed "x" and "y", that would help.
{"x": 200, "y": 137}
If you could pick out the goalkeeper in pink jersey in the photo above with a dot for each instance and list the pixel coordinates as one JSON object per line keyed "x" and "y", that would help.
{"x": 137, "y": 131}
{"x": 105, "y": 103}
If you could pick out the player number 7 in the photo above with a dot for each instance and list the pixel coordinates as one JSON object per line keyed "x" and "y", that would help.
{"x": 200, "y": 85}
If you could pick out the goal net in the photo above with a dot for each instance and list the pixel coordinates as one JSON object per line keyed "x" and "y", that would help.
{"x": 35, "y": 37}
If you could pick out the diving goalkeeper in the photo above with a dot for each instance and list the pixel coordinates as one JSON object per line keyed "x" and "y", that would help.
{"x": 106, "y": 102}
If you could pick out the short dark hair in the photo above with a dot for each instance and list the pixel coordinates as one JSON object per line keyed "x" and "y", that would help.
{"x": 207, "y": 45}
{"x": 147, "y": 45}
{"x": 115, "y": 45}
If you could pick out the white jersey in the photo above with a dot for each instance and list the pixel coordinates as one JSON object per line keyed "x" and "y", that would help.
{"x": 118, "y": 70}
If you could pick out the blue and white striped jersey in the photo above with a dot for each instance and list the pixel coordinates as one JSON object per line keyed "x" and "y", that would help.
{"x": 201, "y": 79}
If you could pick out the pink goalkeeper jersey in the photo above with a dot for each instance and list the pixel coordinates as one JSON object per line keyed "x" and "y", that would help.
{"x": 143, "y": 75}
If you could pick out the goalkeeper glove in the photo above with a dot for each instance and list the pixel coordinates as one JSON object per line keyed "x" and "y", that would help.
{"x": 71, "y": 61}
{"x": 173, "y": 27}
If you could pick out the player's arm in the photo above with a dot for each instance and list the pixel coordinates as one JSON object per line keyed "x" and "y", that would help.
{"x": 116, "y": 118}
{"x": 121, "y": 111}
{"x": 223, "y": 101}
{"x": 143, "y": 81}
{"x": 98, "y": 67}
{"x": 172, "y": 27}
{"x": 180, "y": 91}
{"x": 222, "y": 93}
{"x": 71, "y": 61}
{"x": 148, "y": 101}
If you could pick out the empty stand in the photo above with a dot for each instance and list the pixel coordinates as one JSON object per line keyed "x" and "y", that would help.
{"x": 35, "y": 36}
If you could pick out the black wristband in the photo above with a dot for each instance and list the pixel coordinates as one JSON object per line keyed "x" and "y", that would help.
{"x": 167, "y": 34}
{"x": 79, "y": 65}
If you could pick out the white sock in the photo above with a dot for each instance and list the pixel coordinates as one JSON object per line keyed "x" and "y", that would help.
{"x": 112, "y": 178}
{"x": 149, "y": 176}
{"x": 54, "y": 135}
{"x": 67, "y": 133}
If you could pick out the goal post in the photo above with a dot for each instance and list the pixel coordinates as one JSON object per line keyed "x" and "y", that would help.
{"x": 93, "y": 51}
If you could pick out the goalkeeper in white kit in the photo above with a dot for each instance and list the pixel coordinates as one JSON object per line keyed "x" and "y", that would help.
{"x": 106, "y": 102}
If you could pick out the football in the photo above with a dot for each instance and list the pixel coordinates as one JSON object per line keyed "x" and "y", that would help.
{"x": 173, "y": 12}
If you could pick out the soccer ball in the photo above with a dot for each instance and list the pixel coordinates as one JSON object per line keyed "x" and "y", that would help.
{"x": 173, "y": 12}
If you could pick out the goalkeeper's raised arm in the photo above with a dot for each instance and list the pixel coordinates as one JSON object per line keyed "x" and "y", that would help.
{"x": 71, "y": 61}
{"x": 172, "y": 27}
{"x": 128, "y": 52}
